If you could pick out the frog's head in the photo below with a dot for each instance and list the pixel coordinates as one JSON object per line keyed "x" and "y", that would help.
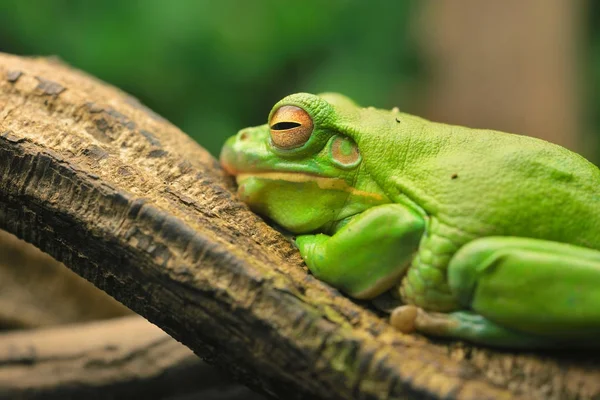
{"x": 301, "y": 169}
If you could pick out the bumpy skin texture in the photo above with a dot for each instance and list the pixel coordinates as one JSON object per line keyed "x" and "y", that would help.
{"x": 485, "y": 236}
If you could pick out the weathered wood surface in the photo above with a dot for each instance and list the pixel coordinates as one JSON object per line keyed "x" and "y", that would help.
{"x": 125, "y": 199}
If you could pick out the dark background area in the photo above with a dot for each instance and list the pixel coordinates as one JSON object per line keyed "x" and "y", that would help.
{"x": 213, "y": 67}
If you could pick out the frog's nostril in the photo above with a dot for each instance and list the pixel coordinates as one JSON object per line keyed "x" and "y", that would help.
{"x": 244, "y": 135}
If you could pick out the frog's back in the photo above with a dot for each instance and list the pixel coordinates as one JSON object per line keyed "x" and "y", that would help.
{"x": 492, "y": 183}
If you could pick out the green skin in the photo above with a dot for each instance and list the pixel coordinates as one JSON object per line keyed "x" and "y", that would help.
{"x": 485, "y": 236}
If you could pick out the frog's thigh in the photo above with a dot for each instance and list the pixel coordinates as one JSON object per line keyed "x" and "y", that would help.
{"x": 536, "y": 287}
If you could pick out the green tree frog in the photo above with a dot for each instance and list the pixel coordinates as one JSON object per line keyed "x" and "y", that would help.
{"x": 484, "y": 236}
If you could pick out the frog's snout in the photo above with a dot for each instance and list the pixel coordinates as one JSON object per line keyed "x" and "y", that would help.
{"x": 242, "y": 150}
{"x": 229, "y": 156}
{"x": 225, "y": 158}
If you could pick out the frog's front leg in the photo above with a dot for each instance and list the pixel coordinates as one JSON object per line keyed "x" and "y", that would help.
{"x": 367, "y": 255}
{"x": 518, "y": 292}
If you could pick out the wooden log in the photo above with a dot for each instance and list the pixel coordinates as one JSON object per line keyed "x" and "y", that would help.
{"x": 124, "y": 357}
{"x": 129, "y": 202}
{"x": 37, "y": 291}
{"x": 114, "y": 358}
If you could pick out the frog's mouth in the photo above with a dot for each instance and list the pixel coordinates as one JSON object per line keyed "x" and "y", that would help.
{"x": 297, "y": 177}
{"x": 323, "y": 183}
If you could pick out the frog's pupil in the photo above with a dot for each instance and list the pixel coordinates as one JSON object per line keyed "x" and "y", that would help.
{"x": 282, "y": 126}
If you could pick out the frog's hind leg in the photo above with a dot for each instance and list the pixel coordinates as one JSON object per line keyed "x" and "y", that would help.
{"x": 522, "y": 293}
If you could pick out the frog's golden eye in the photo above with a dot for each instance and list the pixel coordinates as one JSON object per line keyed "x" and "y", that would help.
{"x": 291, "y": 127}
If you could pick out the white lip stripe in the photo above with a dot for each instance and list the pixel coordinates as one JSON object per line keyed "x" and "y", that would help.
{"x": 322, "y": 182}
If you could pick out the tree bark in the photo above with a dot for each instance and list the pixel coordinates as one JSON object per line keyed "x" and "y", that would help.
{"x": 114, "y": 358}
{"x": 129, "y": 202}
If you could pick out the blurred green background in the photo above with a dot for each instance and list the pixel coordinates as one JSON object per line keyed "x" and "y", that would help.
{"x": 213, "y": 67}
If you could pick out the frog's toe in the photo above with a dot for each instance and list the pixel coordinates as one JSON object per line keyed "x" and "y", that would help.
{"x": 404, "y": 318}
{"x": 475, "y": 328}
{"x": 410, "y": 318}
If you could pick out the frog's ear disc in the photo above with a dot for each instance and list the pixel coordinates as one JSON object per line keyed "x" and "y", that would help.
{"x": 291, "y": 127}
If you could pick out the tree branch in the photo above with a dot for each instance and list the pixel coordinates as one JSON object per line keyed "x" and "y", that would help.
{"x": 122, "y": 357}
{"x": 126, "y": 200}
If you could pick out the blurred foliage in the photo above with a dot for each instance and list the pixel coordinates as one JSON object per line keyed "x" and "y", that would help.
{"x": 591, "y": 80}
{"x": 213, "y": 67}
